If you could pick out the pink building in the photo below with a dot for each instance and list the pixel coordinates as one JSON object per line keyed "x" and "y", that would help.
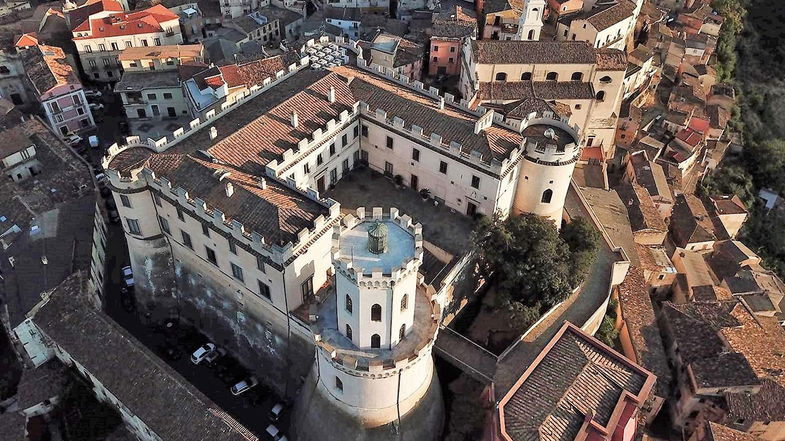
{"x": 58, "y": 89}
{"x": 447, "y": 34}
{"x": 576, "y": 389}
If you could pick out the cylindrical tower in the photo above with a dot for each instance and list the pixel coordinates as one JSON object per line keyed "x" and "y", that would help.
{"x": 550, "y": 153}
{"x": 374, "y": 338}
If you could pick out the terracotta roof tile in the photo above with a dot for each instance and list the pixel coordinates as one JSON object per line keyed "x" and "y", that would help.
{"x": 130, "y": 23}
{"x": 533, "y": 52}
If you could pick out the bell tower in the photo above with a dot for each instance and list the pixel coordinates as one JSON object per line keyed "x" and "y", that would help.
{"x": 530, "y": 23}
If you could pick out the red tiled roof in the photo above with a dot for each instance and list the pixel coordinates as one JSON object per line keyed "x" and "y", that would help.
{"x": 214, "y": 82}
{"x": 689, "y": 137}
{"x": 28, "y": 39}
{"x": 80, "y": 15}
{"x": 139, "y": 22}
{"x": 699, "y": 124}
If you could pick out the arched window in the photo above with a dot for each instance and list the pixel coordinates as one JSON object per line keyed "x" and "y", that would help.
{"x": 576, "y": 76}
{"x": 376, "y": 341}
{"x": 376, "y": 313}
{"x": 348, "y": 304}
{"x": 402, "y": 332}
{"x": 601, "y": 95}
{"x": 552, "y": 76}
{"x": 531, "y": 35}
{"x": 348, "y": 331}
{"x": 404, "y": 302}
{"x": 526, "y": 76}
{"x": 606, "y": 80}
{"x": 338, "y": 384}
{"x": 501, "y": 76}
{"x": 546, "y": 196}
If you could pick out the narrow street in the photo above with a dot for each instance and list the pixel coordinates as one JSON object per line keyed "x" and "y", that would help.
{"x": 175, "y": 345}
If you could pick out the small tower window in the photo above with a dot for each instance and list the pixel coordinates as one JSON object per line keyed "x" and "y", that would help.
{"x": 338, "y": 384}
{"x": 405, "y": 302}
{"x": 348, "y": 304}
{"x": 376, "y": 341}
{"x": 576, "y": 76}
{"x": 601, "y": 95}
{"x": 546, "y": 196}
{"x": 531, "y": 35}
{"x": 552, "y": 76}
{"x": 606, "y": 80}
{"x": 402, "y": 332}
{"x": 376, "y": 313}
{"x": 526, "y": 76}
{"x": 501, "y": 76}
{"x": 348, "y": 331}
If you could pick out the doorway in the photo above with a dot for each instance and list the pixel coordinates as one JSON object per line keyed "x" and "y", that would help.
{"x": 156, "y": 111}
{"x": 172, "y": 112}
{"x": 141, "y": 113}
{"x": 64, "y": 130}
{"x": 471, "y": 209}
{"x": 320, "y": 185}
{"x": 388, "y": 168}
{"x": 414, "y": 182}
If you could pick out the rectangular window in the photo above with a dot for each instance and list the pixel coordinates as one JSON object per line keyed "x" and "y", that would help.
{"x": 91, "y": 63}
{"x": 475, "y": 181}
{"x": 164, "y": 224}
{"x": 355, "y": 131}
{"x": 180, "y": 215}
{"x": 88, "y": 49}
{"x": 144, "y": 42}
{"x": 237, "y": 272}
{"x": 307, "y": 288}
{"x": 167, "y": 96}
{"x": 115, "y": 47}
{"x": 416, "y": 154}
{"x": 187, "y": 239}
{"x": 133, "y": 226}
{"x": 157, "y": 41}
{"x": 128, "y": 43}
{"x": 151, "y": 96}
{"x": 157, "y": 199}
{"x": 344, "y": 140}
{"x": 77, "y": 100}
{"x": 319, "y": 159}
{"x": 436, "y": 48}
{"x": 365, "y": 131}
{"x": 232, "y": 248}
{"x": 211, "y": 256}
{"x": 106, "y": 61}
{"x": 264, "y": 290}
{"x": 101, "y": 47}
{"x": 389, "y": 142}
{"x": 306, "y": 168}
{"x": 332, "y": 149}
{"x": 125, "y": 201}
{"x": 442, "y": 167}
{"x": 345, "y": 165}
{"x": 260, "y": 263}
{"x": 333, "y": 176}
{"x": 55, "y": 107}
{"x": 80, "y": 111}
{"x": 205, "y": 230}
{"x": 452, "y": 49}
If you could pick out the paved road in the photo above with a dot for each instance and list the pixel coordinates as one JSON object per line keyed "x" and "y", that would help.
{"x": 250, "y": 409}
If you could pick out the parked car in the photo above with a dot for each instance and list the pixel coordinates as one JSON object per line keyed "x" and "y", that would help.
{"x": 276, "y": 411}
{"x": 275, "y": 433}
{"x": 128, "y": 276}
{"x": 92, "y": 94}
{"x": 114, "y": 216}
{"x": 215, "y": 355}
{"x": 73, "y": 139}
{"x": 202, "y": 352}
{"x": 244, "y": 385}
{"x": 94, "y": 142}
{"x": 95, "y": 107}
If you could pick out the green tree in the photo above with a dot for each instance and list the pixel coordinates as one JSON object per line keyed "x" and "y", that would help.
{"x": 607, "y": 332}
{"x": 584, "y": 242}
{"x": 767, "y": 161}
{"x": 529, "y": 259}
{"x": 732, "y": 179}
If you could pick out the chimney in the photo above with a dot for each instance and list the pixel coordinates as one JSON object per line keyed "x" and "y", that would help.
{"x": 441, "y": 103}
{"x": 213, "y": 132}
{"x": 263, "y": 183}
{"x": 331, "y": 95}
{"x": 295, "y": 119}
{"x": 229, "y": 189}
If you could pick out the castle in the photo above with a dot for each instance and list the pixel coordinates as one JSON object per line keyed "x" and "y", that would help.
{"x": 227, "y": 226}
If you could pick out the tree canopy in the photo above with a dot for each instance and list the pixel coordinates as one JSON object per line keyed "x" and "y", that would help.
{"x": 729, "y": 180}
{"x": 534, "y": 266}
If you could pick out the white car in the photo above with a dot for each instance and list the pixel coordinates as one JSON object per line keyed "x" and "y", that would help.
{"x": 275, "y": 433}
{"x": 73, "y": 139}
{"x": 128, "y": 276}
{"x": 96, "y": 106}
{"x": 244, "y": 385}
{"x": 89, "y": 93}
{"x": 200, "y": 354}
{"x": 93, "y": 140}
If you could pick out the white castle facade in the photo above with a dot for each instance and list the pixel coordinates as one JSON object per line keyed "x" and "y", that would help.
{"x": 227, "y": 227}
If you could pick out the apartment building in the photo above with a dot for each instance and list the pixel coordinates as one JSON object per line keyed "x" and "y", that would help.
{"x": 585, "y": 82}
{"x": 269, "y": 25}
{"x": 606, "y": 25}
{"x": 100, "y": 38}
{"x": 12, "y": 78}
{"x": 237, "y": 8}
{"x": 151, "y": 85}
{"x": 18, "y": 155}
{"x": 57, "y": 88}
{"x": 402, "y": 56}
{"x": 448, "y": 30}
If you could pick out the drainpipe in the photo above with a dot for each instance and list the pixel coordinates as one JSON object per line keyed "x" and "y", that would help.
{"x": 288, "y": 328}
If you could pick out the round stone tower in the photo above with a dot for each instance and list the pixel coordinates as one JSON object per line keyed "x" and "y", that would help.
{"x": 550, "y": 153}
{"x": 374, "y": 376}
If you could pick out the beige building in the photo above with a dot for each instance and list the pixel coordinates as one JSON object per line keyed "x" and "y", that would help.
{"x": 151, "y": 85}
{"x": 101, "y": 37}
{"x": 608, "y": 25}
{"x": 585, "y": 82}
